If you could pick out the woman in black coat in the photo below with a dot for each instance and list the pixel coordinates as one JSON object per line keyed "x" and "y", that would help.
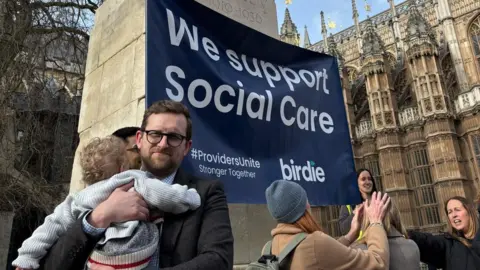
{"x": 459, "y": 248}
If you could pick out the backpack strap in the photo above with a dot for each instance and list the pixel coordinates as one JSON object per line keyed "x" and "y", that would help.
{"x": 267, "y": 250}
{"x": 291, "y": 246}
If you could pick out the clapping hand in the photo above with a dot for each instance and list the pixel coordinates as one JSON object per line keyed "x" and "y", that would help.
{"x": 357, "y": 219}
{"x": 377, "y": 206}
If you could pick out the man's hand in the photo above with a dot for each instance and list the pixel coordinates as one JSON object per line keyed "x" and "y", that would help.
{"x": 122, "y": 205}
{"x": 100, "y": 267}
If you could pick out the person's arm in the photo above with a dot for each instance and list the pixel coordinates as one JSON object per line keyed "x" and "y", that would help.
{"x": 42, "y": 239}
{"x": 354, "y": 228}
{"x": 215, "y": 243}
{"x": 174, "y": 198}
{"x": 432, "y": 247}
{"x": 56, "y": 224}
{"x": 345, "y": 220}
{"x": 72, "y": 250}
{"x": 344, "y": 240}
{"x": 330, "y": 254}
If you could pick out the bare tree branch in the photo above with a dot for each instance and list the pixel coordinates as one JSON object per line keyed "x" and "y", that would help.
{"x": 90, "y": 7}
{"x": 63, "y": 29}
{"x": 43, "y": 46}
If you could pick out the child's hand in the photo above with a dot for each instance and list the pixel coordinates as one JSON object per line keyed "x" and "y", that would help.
{"x": 18, "y": 268}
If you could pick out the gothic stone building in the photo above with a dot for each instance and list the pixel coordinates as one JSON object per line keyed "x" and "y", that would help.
{"x": 411, "y": 84}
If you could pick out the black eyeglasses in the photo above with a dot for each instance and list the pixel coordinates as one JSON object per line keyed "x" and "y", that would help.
{"x": 155, "y": 136}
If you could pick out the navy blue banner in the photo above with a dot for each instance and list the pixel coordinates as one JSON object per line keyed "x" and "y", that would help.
{"x": 261, "y": 109}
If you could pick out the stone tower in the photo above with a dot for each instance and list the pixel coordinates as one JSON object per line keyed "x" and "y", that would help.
{"x": 434, "y": 106}
{"x": 377, "y": 69}
{"x": 289, "y": 32}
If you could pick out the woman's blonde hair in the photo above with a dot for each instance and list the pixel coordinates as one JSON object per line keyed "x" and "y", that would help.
{"x": 307, "y": 223}
{"x": 392, "y": 220}
{"x": 102, "y": 158}
{"x": 473, "y": 225}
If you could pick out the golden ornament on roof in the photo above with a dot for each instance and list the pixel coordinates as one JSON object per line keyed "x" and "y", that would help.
{"x": 331, "y": 24}
{"x": 368, "y": 8}
{"x": 288, "y": 2}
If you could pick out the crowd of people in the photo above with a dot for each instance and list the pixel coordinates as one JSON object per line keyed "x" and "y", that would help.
{"x": 141, "y": 211}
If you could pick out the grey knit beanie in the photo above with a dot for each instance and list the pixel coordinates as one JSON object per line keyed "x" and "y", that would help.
{"x": 286, "y": 201}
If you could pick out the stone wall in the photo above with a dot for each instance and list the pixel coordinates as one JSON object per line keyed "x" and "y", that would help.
{"x": 114, "y": 92}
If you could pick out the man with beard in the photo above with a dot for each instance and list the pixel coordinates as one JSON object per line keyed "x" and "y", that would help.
{"x": 200, "y": 239}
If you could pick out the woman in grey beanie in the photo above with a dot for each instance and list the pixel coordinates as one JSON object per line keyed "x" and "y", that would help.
{"x": 287, "y": 202}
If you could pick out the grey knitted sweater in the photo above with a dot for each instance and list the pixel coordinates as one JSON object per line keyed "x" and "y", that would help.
{"x": 158, "y": 195}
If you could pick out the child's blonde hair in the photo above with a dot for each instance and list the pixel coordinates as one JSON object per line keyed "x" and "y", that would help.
{"x": 102, "y": 158}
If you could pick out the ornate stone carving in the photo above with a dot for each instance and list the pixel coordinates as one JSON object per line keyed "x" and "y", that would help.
{"x": 372, "y": 43}
{"x": 364, "y": 128}
{"x": 409, "y": 116}
{"x": 468, "y": 101}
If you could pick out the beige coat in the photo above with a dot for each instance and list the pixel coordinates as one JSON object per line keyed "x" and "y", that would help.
{"x": 319, "y": 251}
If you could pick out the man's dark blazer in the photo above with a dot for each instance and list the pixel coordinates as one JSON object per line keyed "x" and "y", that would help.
{"x": 200, "y": 239}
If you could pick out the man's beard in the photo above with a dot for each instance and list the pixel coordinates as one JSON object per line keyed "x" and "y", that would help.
{"x": 157, "y": 168}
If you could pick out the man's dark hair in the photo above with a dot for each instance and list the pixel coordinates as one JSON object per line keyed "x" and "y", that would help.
{"x": 169, "y": 106}
{"x": 124, "y": 133}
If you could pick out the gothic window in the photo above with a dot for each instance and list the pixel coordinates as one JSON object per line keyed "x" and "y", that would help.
{"x": 475, "y": 143}
{"x": 474, "y": 32}
{"x": 374, "y": 167}
{"x": 449, "y": 77}
{"x": 421, "y": 181}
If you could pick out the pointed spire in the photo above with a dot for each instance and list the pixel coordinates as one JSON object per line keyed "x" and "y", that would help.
{"x": 306, "y": 39}
{"x": 332, "y": 47}
{"x": 324, "y": 32}
{"x": 288, "y": 32}
{"x": 369, "y": 24}
{"x": 324, "y": 26}
{"x": 392, "y": 7}
{"x": 354, "y": 10}
{"x": 333, "y": 50}
{"x": 417, "y": 25}
{"x": 287, "y": 15}
{"x": 372, "y": 43}
{"x": 355, "y": 18}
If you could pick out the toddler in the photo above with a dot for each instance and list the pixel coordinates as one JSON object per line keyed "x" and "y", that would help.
{"x": 104, "y": 167}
